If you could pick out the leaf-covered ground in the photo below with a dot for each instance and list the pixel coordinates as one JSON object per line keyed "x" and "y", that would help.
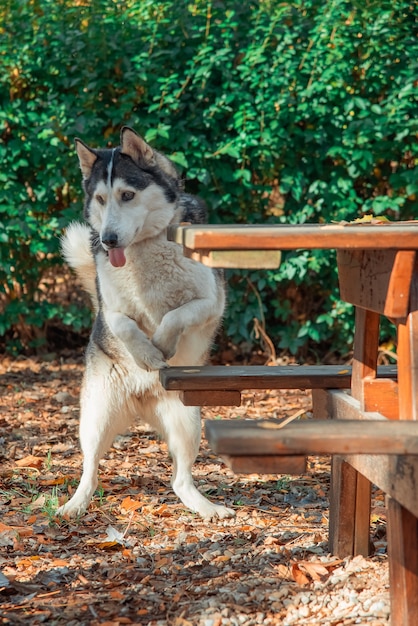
{"x": 137, "y": 556}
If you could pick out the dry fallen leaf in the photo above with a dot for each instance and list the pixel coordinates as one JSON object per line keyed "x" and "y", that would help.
{"x": 59, "y": 480}
{"x": 366, "y": 219}
{"x": 371, "y": 219}
{"x": 180, "y": 621}
{"x": 30, "y": 461}
{"x": 116, "y": 595}
{"x": 38, "y": 504}
{"x": 162, "y": 511}
{"x": 298, "y": 576}
{"x": 130, "y": 505}
{"x": 317, "y": 571}
{"x": 22, "y": 531}
{"x": 284, "y": 571}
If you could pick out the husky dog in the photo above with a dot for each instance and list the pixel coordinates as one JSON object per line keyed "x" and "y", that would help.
{"x": 154, "y": 308}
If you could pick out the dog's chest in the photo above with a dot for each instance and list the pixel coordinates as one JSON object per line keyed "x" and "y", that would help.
{"x": 141, "y": 292}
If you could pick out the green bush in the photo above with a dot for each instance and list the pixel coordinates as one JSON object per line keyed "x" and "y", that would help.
{"x": 274, "y": 112}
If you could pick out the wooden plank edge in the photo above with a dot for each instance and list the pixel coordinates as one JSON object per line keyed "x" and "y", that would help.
{"x": 313, "y": 437}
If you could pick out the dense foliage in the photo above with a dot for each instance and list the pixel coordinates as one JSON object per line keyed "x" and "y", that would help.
{"x": 275, "y": 111}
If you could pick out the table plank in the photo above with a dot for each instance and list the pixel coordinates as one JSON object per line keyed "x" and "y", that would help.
{"x": 398, "y": 236}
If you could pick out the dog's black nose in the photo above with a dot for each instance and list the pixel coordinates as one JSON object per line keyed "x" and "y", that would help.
{"x": 110, "y": 240}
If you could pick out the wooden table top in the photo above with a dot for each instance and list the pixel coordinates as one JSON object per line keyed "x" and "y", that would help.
{"x": 392, "y": 235}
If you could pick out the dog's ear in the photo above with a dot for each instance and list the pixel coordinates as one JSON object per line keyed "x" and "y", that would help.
{"x": 86, "y": 156}
{"x": 137, "y": 148}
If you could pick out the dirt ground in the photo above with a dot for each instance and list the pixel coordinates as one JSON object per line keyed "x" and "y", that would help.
{"x": 138, "y": 556}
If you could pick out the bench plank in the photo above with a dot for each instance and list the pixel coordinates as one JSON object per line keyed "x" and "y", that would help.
{"x": 237, "y": 378}
{"x": 311, "y": 437}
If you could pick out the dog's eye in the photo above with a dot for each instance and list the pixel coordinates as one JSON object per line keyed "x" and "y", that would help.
{"x": 127, "y": 196}
{"x": 100, "y": 200}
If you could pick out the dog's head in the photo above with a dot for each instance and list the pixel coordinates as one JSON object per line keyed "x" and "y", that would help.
{"x": 131, "y": 192}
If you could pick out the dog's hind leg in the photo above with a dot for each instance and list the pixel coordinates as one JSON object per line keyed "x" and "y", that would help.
{"x": 101, "y": 419}
{"x": 182, "y": 428}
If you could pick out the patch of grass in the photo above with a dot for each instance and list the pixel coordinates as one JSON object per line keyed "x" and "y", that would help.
{"x": 48, "y": 461}
{"x": 51, "y": 503}
{"x": 283, "y": 483}
{"x": 100, "y": 494}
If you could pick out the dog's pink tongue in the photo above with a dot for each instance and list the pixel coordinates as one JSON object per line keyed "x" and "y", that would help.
{"x": 117, "y": 257}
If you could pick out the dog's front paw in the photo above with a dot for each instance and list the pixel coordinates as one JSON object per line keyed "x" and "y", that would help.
{"x": 72, "y": 508}
{"x": 167, "y": 346}
{"x": 151, "y": 359}
{"x": 215, "y": 511}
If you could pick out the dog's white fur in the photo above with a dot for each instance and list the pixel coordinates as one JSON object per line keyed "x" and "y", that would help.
{"x": 76, "y": 249}
{"x": 160, "y": 308}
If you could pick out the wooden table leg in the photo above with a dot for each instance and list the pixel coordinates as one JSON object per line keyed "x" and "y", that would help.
{"x": 402, "y": 529}
{"x": 349, "y": 524}
{"x": 349, "y": 518}
{"x": 402, "y": 526}
{"x": 407, "y": 351}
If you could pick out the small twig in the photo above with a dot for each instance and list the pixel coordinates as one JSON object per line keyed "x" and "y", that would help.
{"x": 129, "y": 524}
{"x": 338, "y": 620}
{"x": 18, "y": 469}
{"x": 260, "y": 304}
{"x": 259, "y": 330}
{"x": 208, "y": 19}
{"x": 285, "y": 422}
{"x": 392, "y": 355}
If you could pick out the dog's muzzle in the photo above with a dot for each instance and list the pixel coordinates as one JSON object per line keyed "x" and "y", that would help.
{"x": 116, "y": 253}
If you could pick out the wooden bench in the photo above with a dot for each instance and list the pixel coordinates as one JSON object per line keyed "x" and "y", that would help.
{"x": 221, "y": 385}
{"x": 378, "y": 274}
{"x": 258, "y": 446}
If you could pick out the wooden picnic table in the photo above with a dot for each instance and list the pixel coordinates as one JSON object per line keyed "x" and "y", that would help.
{"x": 378, "y": 274}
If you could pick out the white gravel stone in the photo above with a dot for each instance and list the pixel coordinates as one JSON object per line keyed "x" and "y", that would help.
{"x": 304, "y": 611}
{"x": 379, "y": 607}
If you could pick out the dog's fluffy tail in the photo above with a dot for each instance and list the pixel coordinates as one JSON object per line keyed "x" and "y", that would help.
{"x": 76, "y": 249}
